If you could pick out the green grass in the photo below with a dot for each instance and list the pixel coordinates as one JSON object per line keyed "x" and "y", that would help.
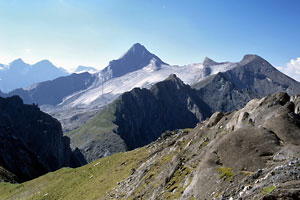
{"x": 175, "y": 187}
{"x": 98, "y": 125}
{"x": 187, "y": 130}
{"x": 226, "y": 173}
{"x": 91, "y": 181}
{"x": 268, "y": 190}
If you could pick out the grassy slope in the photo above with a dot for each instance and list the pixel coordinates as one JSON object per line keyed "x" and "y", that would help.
{"x": 102, "y": 123}
{"x": 91, "y": 181}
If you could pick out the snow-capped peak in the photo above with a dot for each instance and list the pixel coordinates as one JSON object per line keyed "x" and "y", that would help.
{"x": 136, "y": 58}
{"x": 208, "y": 62}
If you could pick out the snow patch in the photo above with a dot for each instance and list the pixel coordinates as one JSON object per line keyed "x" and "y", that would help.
{"x": 104, "y": 90}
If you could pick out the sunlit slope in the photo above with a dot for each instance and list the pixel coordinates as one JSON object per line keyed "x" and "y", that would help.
{"x": 91, "y": 181}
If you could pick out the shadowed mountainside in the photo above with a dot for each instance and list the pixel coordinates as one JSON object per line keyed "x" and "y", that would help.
{"x": 252, "y": 153}
{"x": 139, "y": 117}
{"x": 31, "y": 142}
{"x": 52, "y": 92}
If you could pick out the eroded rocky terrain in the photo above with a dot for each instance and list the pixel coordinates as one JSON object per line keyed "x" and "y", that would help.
{"x": 252, "y": 153}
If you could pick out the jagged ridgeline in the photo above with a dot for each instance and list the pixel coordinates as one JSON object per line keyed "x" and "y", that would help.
{"x": 224, "y": 86}
{"x": 138, "y": 117}
{"x": 252, "y": 153}
{"x": 31, "y": 142}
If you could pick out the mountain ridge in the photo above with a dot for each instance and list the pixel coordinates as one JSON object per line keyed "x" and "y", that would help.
{"x": 138, "y": 117}
{"x": 252, "y": 75}
{"x": 19, "y": 74}
{"x": 251, "y": 153}
{"x": 135, "y": 58}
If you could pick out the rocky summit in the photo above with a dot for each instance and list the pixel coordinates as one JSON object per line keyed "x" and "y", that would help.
{"x": 252, "y": 153}
{"x": 31, "y": 142}
{"x": 138, "y": 117}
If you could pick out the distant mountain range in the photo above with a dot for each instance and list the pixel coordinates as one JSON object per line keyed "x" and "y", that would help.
{"x": 78, "y": 99}
{"x": 18, "y": 74}
{"x": 201, "y": 125}
{"x": 136, "y": 68}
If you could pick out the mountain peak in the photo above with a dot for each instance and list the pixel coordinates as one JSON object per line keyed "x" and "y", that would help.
{"x": 134, "y": 59}
{"x": 174, "y": 79}
{"x": 250, "y": 58}
{"x": 43, "y": 62}
{"x": 137, "y": 50}
{"x": 17, "y": 61}
{"x": 18, "y": 65}
{"x": 208, "y": 62}
{"x": 137, "y": 46}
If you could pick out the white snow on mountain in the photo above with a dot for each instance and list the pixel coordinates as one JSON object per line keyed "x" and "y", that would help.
{"x": 102, "y": 93}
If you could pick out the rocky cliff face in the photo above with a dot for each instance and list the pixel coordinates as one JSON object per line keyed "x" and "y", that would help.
{"x": 296, "y": 100}
{"x": 31, "y": 141}
{"x": 139, "y": 117}
{"x": 253, "y": 77}
{"x": 258, "y": 75}
{"x": 252, "y": 153}
{"x": 134, "y": 59}
{"x": 144, "y": 114}
{"x": 221, "y": 94}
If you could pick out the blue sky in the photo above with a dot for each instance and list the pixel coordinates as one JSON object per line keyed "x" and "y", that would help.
{"x": 93, "y": 32}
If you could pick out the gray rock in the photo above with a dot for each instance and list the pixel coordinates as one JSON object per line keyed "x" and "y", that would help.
{"x": 135, "y": 58}
{"x": 139, "y": 117}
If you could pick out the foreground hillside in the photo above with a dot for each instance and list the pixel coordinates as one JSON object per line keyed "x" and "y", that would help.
{"x": 252, "y": 153}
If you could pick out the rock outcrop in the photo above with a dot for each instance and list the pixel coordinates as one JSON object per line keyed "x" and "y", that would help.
{"x": 31, "y": 142}
{"x": 258, "y": 75}
{"x": 221, "y": 94}
{"x": 252, "y": 153}
{"x": 139, "y": 117}
{"x": 252, "y": 77}
{"x": 135, "y": 58}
